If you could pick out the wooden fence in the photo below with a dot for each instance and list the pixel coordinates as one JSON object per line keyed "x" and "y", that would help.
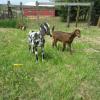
{"x": 68, "y": 6}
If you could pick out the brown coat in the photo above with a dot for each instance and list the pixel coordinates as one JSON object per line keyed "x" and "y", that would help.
{"x": 64, "y": 37}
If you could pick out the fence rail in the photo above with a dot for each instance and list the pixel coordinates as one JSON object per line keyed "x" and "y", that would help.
{"x": 20, "y": 7}
{"x": 55, "y": 4}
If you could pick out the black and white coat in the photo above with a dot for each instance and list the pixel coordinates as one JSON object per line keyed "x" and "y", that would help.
{"x": 36, "y": 39}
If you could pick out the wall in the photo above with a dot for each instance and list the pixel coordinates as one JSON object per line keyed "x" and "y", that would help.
{"x": 41, "y": 12}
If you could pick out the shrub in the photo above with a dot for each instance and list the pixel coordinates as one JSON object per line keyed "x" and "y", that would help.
{"x": 11, "y": 23}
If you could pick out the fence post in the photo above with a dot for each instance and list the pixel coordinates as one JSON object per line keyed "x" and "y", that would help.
{"x": 21, "y": 9}
{"x": 90, "y": 13}
{"x": 3, "y": 14}
{"x": 68, "y": 16}
{"x": 0, "y": 8}
{"x": 8, "y": 5}
{"x": 10, "y": 15}
{"x": 37, "y": 13}
{"x": 77, "y": 16}
{"x": 98, "y": 23}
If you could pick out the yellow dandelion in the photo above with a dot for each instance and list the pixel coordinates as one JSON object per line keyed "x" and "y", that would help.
{"x": 18, "y": 65}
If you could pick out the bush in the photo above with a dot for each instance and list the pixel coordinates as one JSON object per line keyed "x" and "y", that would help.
{"x": 63, "y": 14}
{"x": 11, "y": 23}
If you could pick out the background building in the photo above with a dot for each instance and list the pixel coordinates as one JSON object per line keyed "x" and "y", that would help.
{"x": 44, "y": 9}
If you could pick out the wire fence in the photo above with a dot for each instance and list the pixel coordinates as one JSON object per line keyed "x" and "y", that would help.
{"x": 32, "y": 16}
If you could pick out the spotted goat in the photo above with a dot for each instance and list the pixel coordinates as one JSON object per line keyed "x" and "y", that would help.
{"x": 36, "y": 39}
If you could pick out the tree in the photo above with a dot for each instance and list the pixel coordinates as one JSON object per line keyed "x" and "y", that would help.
{"x": 83, "y": 11}
{"x": 95, "y": 12}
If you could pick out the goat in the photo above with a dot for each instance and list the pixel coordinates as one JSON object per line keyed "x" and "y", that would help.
{"x": 37, "y": 39}
{"x": 64, "y": 37}
{"x": 21, "y": 26}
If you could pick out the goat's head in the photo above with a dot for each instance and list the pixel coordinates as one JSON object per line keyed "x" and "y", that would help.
{"x": 45, "y": 28}
{"x": 77, "y": 33}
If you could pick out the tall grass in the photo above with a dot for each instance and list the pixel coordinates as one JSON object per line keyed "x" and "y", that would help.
{"x": 60, "y": 77}
{"x": 8, "y": 23}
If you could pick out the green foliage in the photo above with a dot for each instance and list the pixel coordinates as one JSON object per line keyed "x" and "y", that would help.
{"x": 95, "y": 12}
{"x": 8, "y": 23}
{"x": 12, "y": 23}
{"x": 83, "y": 11}
{"x": 63, "y": 13}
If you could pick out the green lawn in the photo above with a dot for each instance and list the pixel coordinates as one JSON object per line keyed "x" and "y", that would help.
{"x": 60, "y": 77}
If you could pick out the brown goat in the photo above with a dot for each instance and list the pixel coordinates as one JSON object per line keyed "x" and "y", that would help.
{"x": 64, "y": 37}
{"x": 21, "y": 26}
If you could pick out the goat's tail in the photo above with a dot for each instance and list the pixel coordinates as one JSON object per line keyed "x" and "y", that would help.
{"x": 53, "y": 28}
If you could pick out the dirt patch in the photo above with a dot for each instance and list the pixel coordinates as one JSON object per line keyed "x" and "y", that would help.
{"x": 95, "y": 40}
{"x": 5, "y": 30}
{"x": 91, "y": 50}
{"x": 84, "y": 92}
{"x": 70, "y": 67}
{"x": 39, "y": 81}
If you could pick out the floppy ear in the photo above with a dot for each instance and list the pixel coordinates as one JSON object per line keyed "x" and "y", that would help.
{"x": 53, "y": 28}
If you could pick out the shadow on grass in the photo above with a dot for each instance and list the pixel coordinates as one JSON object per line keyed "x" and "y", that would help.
{"x": 48, "y": 56}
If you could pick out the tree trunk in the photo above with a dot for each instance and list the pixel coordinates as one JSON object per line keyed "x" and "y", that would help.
{"x": 77, "y": 16}
{"x": 98, "y": 24}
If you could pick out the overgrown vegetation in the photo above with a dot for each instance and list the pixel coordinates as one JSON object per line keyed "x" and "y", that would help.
{"x": 12, "y": 23}
{"x": 60, "y": 77}
{"x": 8, "y": 23}
{"x": 83, "y": 16}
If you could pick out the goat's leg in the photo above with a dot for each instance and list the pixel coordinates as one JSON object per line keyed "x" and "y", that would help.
{"x": 54, "y": 43}
{"x": 29, "y": 47}
{"x": 33, "y": 51}
{"x": 32, "y": 48}
{"x": 42, "y": 48}
{"x": 36, "y": 54}
{"x": 64, "y": 46}
{"x": 70, "y": 48}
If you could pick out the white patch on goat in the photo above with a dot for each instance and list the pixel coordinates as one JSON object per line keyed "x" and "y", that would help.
{"x": 45, "y": 28}
{"x": 40, "y": 28}
{"x": 32, "y": 42}
{"x": 23, "y": 27}
{"x": 36, "y": 52}
{"x": 48, "y": 25}
{"x": 32, "y": 48}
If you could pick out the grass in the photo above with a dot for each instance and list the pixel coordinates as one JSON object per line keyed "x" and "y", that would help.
{"x": 8, "y": 23}
{"x": 60, "y": 77}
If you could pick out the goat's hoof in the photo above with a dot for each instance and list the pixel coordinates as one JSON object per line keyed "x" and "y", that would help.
{"x": 33, "y": 52}
{"x": 36, "y": 62}
{"x": 62, "y": 50}
{"x": 42, "y": 60}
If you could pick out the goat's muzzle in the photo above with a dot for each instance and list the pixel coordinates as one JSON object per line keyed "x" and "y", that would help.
{"x": 79, "y": 36}
{"x": 50, "y": 35}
